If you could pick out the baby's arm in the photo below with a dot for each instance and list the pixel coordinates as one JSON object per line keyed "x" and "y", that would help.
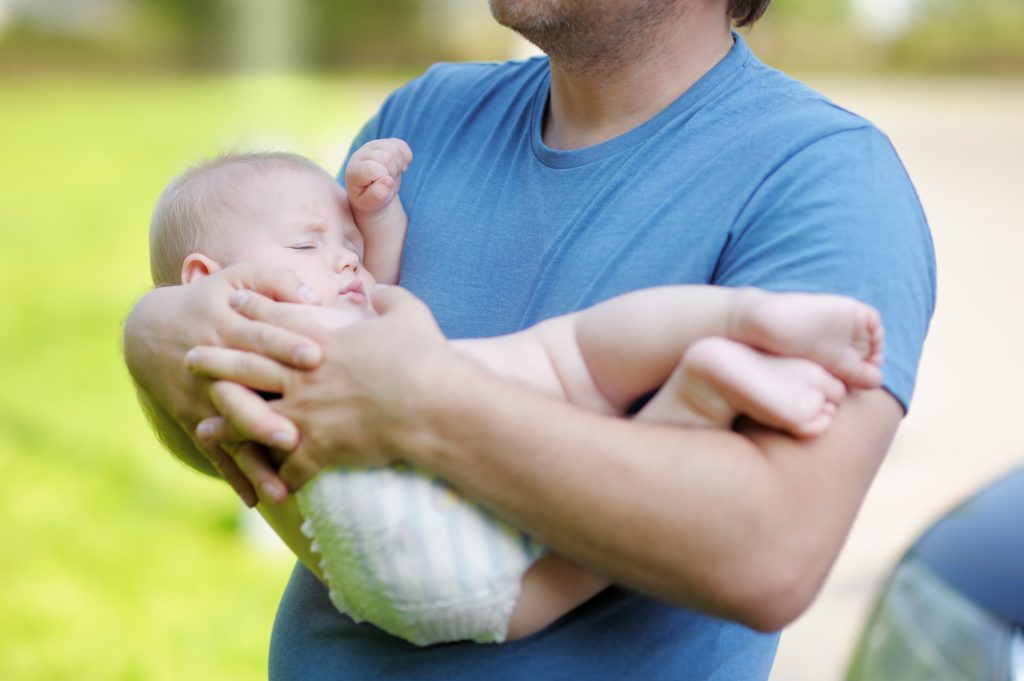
{"x": 372, "y": 179}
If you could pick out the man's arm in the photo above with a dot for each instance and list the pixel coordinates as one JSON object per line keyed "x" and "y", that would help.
{"x": 552, "y": 587}
{"x": 168, "y": 321}
{"x": 742, "y": 525}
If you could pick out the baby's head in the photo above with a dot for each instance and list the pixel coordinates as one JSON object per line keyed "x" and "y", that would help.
{"x": 276, "y": 208}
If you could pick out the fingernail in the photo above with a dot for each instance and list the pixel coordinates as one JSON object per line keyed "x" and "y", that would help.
{"x": 305, "y": 357}
{"x": 238, "y": 299}
{"x": 190, "y": 358}
{"x": 283, "y": 439}
{"x": 204, "y": 430}
{"x": 308, "y": 294}
{"x": 272, "y": 490}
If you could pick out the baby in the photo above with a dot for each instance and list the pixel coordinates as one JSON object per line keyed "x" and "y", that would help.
{"x": 401, "y": 549}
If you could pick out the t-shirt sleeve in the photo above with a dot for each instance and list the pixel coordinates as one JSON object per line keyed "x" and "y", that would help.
{"x": 841, "y": 216}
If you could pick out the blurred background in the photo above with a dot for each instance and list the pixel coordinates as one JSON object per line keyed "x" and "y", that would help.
{"x": 117, "y": 563}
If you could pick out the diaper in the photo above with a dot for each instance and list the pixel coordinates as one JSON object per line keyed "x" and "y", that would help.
{"x": 406, "y": 552}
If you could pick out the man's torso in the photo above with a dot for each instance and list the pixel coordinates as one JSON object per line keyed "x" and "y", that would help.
{"x": 747, "y": 179}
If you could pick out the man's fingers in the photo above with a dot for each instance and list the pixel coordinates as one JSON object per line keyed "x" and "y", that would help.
{"x": 251, "y": 417}
{"x": 254, "y": 462}
{"x": 276, "y": 283}
{"x": 298, "y": 469}
{"x": 311, "y": 323}
{"x": 397, "y": 300}
{"x": 216, "y": 431}
{"x": 300, "y": 319}
{"x": 249, "y": 369}
{"x": 274, "y": 330}
{"x": 231, "y": 473}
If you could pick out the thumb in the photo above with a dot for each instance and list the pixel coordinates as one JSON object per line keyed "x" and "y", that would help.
{"x": 395, "y": 299}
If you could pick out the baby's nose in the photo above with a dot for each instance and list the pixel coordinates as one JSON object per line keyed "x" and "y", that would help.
{"x": 345, "y": 259}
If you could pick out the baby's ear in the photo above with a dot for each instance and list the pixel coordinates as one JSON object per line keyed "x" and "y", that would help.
{"x": 197, "y": 266}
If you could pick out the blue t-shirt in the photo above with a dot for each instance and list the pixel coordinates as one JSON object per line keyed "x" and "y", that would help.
{"x": 748, "y": 179}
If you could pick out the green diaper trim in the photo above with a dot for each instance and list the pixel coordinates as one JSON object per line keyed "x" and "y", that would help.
{"x": 362, "y": 599}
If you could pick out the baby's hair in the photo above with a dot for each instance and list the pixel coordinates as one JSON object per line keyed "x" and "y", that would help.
{"x": 188, "y": 215}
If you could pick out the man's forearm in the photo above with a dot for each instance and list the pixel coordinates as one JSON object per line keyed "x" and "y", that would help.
{"x": 740, "y": 525}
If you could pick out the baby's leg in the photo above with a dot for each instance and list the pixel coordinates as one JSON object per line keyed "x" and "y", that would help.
{"x": 839, "y": 333}
{"x": 631, "y": 344}
{"x": 720, "y": 379}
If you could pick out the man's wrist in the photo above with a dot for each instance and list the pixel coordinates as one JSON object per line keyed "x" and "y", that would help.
{"x": 443, "y": 391}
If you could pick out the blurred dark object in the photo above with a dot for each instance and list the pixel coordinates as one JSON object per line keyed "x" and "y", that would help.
{"x": 953, "y": 608}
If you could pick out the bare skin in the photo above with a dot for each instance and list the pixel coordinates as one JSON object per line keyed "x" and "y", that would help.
{"x": 294, "y": 215}
{"x": 605, "y": 357}
{"x": 764, "y": 486}
{"x": 636, "y": 508}
{"x": 712, "y": 353}
{"x": 720, "y": 379}
{"x": 656, "y": 47}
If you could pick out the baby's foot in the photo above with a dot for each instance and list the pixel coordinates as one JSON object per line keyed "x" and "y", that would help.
{"x": 839, "y": 333}
{"x": 720, "y": 379}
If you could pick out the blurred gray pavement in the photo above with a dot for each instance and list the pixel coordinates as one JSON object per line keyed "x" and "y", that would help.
{"x": 962, "y": 141}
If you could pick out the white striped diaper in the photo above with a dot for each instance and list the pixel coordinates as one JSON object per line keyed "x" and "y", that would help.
{"x": 406, "y": 552}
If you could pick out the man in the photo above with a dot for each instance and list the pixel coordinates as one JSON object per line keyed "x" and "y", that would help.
{"x": 652, "y": 148}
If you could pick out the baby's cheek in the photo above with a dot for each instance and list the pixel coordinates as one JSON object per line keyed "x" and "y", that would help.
{"x": 321, "y": 279}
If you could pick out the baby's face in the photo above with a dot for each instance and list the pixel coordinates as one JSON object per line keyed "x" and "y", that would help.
{"x": 301, "y": 220}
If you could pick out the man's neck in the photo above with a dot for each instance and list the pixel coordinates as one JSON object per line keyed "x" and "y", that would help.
{"x": 596, "y": 105}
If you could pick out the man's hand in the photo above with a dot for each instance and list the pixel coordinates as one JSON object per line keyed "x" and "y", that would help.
{"x": 168, "y": 321}
{"x": 353, "y": 409}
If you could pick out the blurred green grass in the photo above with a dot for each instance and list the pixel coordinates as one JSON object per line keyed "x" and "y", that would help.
{"x": 115, "y": 561}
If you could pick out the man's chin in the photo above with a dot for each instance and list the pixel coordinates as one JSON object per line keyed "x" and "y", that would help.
{"x": 527, "y": 17}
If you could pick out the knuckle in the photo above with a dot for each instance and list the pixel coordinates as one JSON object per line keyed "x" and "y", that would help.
{"x": 245, "y": 364}
{"x": 264, "y": 337}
